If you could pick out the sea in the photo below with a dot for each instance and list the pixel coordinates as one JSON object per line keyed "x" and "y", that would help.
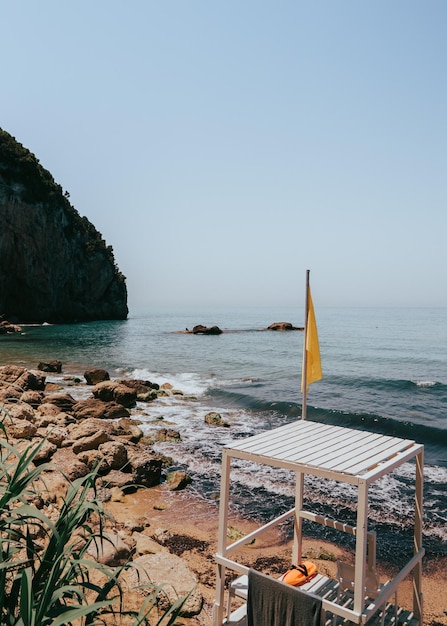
{"x": 384, "y": 370}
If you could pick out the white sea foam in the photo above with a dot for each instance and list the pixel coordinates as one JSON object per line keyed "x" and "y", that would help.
{"x": 436, "y": 475}
{"x": 190, "y": 383}
{"x": 424, "y": 383}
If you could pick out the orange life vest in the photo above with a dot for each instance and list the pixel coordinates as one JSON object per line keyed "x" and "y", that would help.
{"x": 300, "y": 574}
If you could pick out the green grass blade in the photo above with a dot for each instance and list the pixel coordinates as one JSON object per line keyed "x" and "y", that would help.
{"x": 26, "y": 598}
{"x": 71, "y": 613}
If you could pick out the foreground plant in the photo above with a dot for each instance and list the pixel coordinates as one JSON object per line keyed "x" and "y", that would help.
{"x": 45, "y": 575}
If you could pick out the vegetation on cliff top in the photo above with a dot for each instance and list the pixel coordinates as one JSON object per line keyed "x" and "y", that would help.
{"x": 24, "y": 178}
{"x": 54, "y": 264}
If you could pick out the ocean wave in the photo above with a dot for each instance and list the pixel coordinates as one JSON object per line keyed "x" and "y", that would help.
{"x": 422, "y": 433}
{"x": 190, "y": 383}
{"x": 384, "y": 384}
{"x": 425, "y": 383}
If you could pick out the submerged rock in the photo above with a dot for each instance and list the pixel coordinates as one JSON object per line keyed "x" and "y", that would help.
{"x": 199, "y": 329}
{"x": 178, "y": 480}
{"x": 50, "y": 366}
{"x": 215, "y": 419}
{"x": 284, "y": 326}
{"x": 6, "y": 328}
{"x": 93, "y": 376}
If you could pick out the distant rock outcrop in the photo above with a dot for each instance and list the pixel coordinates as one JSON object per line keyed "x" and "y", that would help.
{"x": 284, "y": 326}
{"x": 205, "y": 330}
{"x": 54, "y": 264}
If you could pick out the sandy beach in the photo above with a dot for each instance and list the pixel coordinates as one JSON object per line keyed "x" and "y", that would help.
{"x": 193, "y": 523}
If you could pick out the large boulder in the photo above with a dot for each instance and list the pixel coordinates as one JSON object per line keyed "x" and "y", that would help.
{"x": 34, "y": 398}
{"x": 64, "y": 401}
{"x": 90, "y": 443}
{"x": 95, "y": 375}
{"x": 110, "y": 549}
{"x": 9, "y": 394}
{"x": 115, "y": 391}
{"x": 146, "y": 545}
{"x": 119, "y": 480}
{"x": 50, "y": 366}
{"x": 57, "y": 435}
{"x": 19, "y": 429}
{"x": 146, "y": 467}
{"x": 68, "y": 464}
{"x": 124, "y": 429}
{"x": 140, "y": 386}
{"x": 114, "y": 453}
{"x": 45, "y": 451}
{"x": 19, "y": 411}
{"x": 92, "y": 407}
{"x": 127, "y": 429}
{"x": 21, "y": 378}
{"x": 88, "y": 427}
{"x": 172, "y": 574}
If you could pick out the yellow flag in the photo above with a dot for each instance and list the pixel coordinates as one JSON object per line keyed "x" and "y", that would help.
{"x": 312, "y": 348}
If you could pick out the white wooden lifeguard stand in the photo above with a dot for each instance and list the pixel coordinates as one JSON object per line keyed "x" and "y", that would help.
{"x": 336, "y": 453}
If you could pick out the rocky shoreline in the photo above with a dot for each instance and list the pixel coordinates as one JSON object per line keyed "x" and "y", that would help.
{"x": 74, "y": 437}
{"x": 152, "y": 519}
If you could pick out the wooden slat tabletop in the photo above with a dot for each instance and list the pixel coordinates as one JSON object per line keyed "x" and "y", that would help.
{"x": 334, "y": 449}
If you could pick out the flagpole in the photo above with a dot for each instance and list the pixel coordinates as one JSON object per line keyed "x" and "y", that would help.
{"x": 304, "y": 373}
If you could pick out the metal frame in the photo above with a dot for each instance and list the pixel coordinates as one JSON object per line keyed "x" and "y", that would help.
{"x": 336, "y": 453}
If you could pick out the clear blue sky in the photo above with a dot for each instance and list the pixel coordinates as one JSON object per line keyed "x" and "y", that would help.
{"x": 223, "y": 148}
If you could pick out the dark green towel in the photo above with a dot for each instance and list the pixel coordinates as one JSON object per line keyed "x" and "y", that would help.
{"x": 271, "y": 602}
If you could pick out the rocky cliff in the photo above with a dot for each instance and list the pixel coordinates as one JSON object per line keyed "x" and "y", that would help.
{"x": 54, "y": 265}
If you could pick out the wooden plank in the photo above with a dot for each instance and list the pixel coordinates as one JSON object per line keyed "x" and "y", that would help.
{"x": 299, "y": 432}
{"x": 318, "y": 445}
{"x": 239, "y": 587}
{"x": 303, "y": 450}
{"x": 238, "y": 617}
{"x": 269, "y": 435}
{"x": 387, "y": 466}
{"x": 326, "y": 453}
{"x": 272, "y": 442}
{"x": 366, "y": 451}
{"x": 254, "y": 533}
{"x": 368, "y": 458}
